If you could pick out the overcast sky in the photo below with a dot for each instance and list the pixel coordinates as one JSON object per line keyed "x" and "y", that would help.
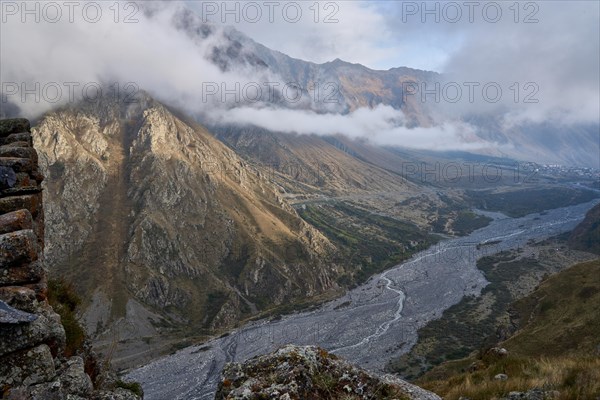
{"x": 550, "y": 49}
{"x": 386, "y": 34}
{"x": 550, "y": 46}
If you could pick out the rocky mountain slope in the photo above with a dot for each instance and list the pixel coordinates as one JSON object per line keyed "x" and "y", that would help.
{"x": 553, "y": 354}
{"x": 336, "y": 86}
{"x": 167, "y": 233}
{"x": 165, "y": 230}
{"x": 544, "y": 324}
{"x": 33, "y": 361}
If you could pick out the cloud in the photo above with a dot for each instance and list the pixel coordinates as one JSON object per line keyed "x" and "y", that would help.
{"x": 554, "y": 62}
{"x": 151, "y": 54}
{"x": 558, "y": 55}
{"x": 381, "y": 125}
{"x": 317, "y": 31}
{"x": 543, "y": 55}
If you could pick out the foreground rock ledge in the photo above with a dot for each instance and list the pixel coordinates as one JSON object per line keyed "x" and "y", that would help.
{"x": 310, "y": 373}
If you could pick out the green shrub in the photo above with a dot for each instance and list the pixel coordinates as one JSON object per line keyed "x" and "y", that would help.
{"x": 134, "y": 387}
{"x": 64, "y": 300}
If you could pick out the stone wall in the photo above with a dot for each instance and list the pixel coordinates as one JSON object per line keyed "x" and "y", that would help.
{"x": 32, "y": 338}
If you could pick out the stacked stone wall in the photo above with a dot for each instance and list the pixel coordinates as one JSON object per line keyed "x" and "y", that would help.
{"x": 32, "y": 338}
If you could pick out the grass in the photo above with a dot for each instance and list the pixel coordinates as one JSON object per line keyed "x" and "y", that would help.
{"x": 134, "y": 387}
{"x": 586, "y": 236}
{"x": 556, "y": 348}
{"x": 369, "y": 243}
{"x": 64, "y": 300}
{"x": 467, "y": 222}
{"x": 463, "y": 221}
{"x": 563, "y": 315}
{"x": 471, "y": 323}
{"x": 572, "y": 377}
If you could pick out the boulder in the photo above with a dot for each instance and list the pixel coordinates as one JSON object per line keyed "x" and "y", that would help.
{"x": 309, "y": 372}
{"x": 14, "y": 125}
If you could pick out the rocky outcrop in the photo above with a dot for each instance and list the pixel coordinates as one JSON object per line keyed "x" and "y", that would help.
{"x": 310, "y": 372}
{"x": 32, "y": 338}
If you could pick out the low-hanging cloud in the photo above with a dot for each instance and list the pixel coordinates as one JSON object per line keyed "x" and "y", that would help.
{"x": 381, "y": 125}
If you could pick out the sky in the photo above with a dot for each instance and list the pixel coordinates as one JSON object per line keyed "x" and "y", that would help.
{"x": 423, "y": 35}
{"x": 545, "y": 51}
{"x": 549, "y": 49}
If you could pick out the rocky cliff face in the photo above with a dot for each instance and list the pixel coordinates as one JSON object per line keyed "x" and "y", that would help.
{"x": 164, "y": 229}
{"x": 32, "y": 339}
{"x": 294, "y": 372}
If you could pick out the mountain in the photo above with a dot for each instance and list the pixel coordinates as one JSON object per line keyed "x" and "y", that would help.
{"x": 165, "y": 230}
{"x": 345, "y": 87}
{"x": 176, "y": 229}
{"x": 39, "y": 358}
{"x": 535, "y": 324}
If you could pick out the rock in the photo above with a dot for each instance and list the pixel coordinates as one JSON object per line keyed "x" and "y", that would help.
{"x": 17, "y": 140}
{"x": 501, "y": 377}
{"x": 32, "y": 203}
{"x": 8, "y": 178}
{"x": 14, "y": 125}
{"x": 27, "y": 367}
{"x": 18, "y": 152}
{"x": 18, "y": 248}
{"x": 22, "y": 275}
{"x": 19, "y": 297}
{"x": 17, "y": 164}
{"x": 117, "y": 394}
{"x": 32, "y": 338}
{"x": 15, "y": 221}
{"x": 74, "y": 379}
{"x": 498, "y": 351}
{"x": 46, "y": 329}
{"x": 45, "y": 391}
{"x": 309, "y": 372}
{"x": 9, "y": 315}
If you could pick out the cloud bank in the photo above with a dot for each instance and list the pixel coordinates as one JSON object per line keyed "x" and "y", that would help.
{"x": 553, "y": 61}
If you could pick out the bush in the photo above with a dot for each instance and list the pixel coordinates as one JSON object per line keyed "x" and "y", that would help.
{"x": 64, "y": 300}
{"x": 134, "y": 387}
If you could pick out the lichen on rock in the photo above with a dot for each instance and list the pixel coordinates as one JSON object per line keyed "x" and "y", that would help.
{"x": 309, "y": 372}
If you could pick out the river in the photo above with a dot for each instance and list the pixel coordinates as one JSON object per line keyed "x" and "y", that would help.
{"x": 372, "y": 323}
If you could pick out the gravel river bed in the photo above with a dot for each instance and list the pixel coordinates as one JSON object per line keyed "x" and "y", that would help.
{"x": 372, "y": 323}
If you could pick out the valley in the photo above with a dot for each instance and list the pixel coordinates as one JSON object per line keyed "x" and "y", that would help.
{"x": 211, "y": 204}
{"x": 372, "y": 323}
{"x": 172, "y": 237}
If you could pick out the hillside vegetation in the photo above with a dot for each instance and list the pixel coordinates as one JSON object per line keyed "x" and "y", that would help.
{"x": 586, "y": 236}
{"x": 556, "y": 351}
